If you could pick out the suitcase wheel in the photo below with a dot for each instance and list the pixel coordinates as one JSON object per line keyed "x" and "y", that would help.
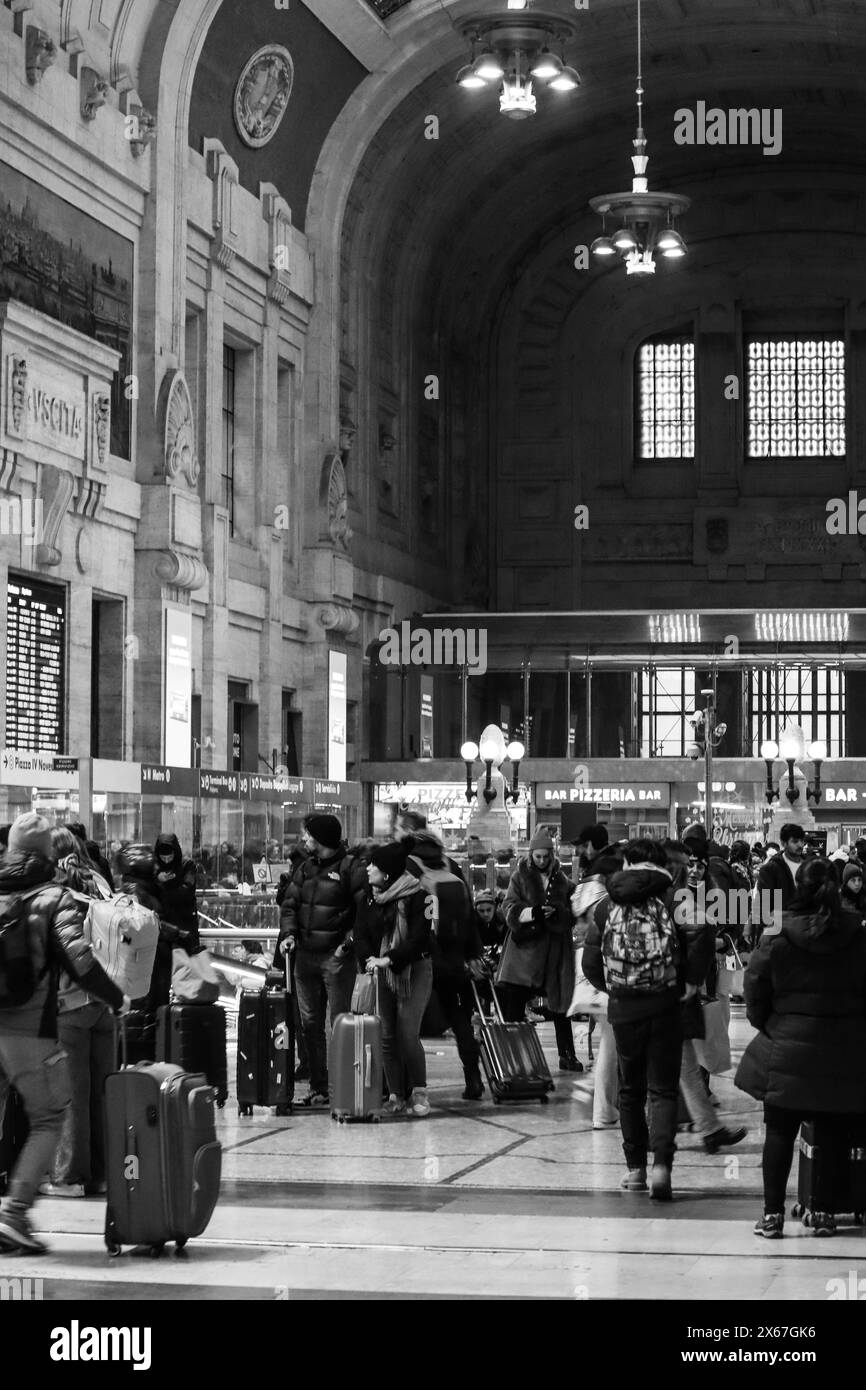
{"x": 796, "y": 1211}
{"x": 807, "y": 1218}
{"x": 113, "y": 1248}
{"x": 543, "y": 1099}
{"x": 180, "y": 1249}
{"x": 221, "y": 1103}
{"x": 155, "y": 1251}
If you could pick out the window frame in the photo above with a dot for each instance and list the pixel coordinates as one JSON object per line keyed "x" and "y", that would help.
{"x": 657, "y": 340}
{"x": 801, "y": 336}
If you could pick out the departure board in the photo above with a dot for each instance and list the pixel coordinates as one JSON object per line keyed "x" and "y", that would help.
{"x": 35, "y": 645}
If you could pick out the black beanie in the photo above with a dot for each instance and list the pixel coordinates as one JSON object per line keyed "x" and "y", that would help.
{"x": 326, "y": 829}
{"x": 392, "y": 858}
{"x": 595, "y": 835}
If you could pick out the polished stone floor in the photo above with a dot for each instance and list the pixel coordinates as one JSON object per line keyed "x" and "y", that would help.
{"x": 473, "y": 1202}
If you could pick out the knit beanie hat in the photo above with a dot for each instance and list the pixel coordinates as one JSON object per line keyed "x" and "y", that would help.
{"x": 541, "y": 840}
{"x": 694, "y": 832}
{"x": 595, "y": 835}
{"x": 392, "y": 858}
{"x": 326, "y": 829}
{"x": 851, "y": 871}
{"x": 485, "y": 896}
{"x": 31, "y": 834}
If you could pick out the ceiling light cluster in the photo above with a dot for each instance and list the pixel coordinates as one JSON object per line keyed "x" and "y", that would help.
{"x": 515, "y": 54}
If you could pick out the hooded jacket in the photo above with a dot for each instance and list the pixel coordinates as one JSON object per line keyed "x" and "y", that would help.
{"x": 538, "y": 954}
{"x": 806, "y": 993}
{"x": 56, "y": 943}
{"x": 82, "y": 881}
{"x": 457, "y": 941}
{"x": 694, "y": 943}
{"x": 174, "y": 889}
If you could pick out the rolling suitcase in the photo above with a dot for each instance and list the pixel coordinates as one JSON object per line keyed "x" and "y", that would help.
{"x": 193, "y": 1037}
{"x": 140, "y": 1037}
{"x": 15, "y": 1129}
{"x": 514, "y": 1064}
{"x": 355, "y": 1066}
{"x": 832, "y": 1175}
{"x": 266, "y": 1048}
{"x": 163, "y": 1160}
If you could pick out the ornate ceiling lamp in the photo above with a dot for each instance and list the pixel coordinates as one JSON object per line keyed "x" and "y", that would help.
{"x": 515, "y": 52}
{"x": 647, "y": 220}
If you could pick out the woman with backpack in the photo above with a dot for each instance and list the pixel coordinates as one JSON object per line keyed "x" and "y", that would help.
{"x": 806, "y": 994}
{"x": 85, "y": 1030}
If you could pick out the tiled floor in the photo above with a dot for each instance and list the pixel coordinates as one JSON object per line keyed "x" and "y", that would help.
{"x": 476, "y": 1201}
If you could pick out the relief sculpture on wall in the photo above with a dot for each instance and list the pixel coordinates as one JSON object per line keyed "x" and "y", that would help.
{"x": 262, "y": 94}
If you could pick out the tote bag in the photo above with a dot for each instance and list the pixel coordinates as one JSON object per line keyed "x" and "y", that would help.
{"x": 586, "y": 999}
{"x": 714, "y": 1049}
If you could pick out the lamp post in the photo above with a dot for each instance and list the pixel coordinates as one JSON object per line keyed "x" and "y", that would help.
{"x": 789, "y": 750}
{"x": 489, "y": 751}
{"x": 708, "y": 736}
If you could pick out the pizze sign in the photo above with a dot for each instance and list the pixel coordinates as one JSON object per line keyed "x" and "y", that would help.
{"x": 630, "y": 794}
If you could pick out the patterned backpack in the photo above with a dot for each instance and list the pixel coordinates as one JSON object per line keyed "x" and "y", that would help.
{"x": 639, "y": 948}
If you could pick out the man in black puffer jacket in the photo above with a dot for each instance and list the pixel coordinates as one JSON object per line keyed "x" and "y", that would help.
{"x": 316, "y": 921}
{"x": 173, "y": 891}
{"x": 31, "y": 1059}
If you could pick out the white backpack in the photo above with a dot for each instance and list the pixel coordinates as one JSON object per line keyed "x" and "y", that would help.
{"x": 123, "y": 936}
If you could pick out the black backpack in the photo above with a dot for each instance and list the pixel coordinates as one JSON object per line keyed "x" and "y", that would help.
{"x": 18, "y": 978}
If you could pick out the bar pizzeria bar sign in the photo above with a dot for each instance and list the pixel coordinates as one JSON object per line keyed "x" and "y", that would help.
{"x": 626, "y": 794}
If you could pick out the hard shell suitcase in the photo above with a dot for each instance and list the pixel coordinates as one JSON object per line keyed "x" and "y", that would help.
{"x": 832, "y": 1174}
{"x": 193, "y": 1036}
{"x": 266, "y": 1048}
{"x": 163, "y": 1160}
{"x": 511, "y": 1054}
{"x": 140, "y": 1032}
{"x": 14, "y": 1129}
{"x": 355, "y": 1066}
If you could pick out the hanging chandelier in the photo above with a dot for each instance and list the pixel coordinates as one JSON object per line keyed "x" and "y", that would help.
{"x": 516, "y": 53}
{"x": 647, "y": 220}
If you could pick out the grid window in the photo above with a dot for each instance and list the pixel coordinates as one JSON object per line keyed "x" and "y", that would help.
{"x": 796, "y": 397}
{"x": 666, "y": 399}
{"x": 812, "y": 697}
{"x": 228, "y": 459}
{"x": 667, "y": 697}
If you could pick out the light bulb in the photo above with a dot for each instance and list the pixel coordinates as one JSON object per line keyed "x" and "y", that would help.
{"x": 469, "y": 752}
{"x": 769, "y": 750}
{"x": 515, "y": 752}
{"x": 817, "y": 750}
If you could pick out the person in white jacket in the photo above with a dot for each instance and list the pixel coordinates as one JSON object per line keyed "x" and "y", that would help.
{"x": 584, "y": 900}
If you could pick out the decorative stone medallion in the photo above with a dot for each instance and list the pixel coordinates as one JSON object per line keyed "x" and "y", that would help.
{"x": 180, "y": 453}
{"x": 262, "y": 94}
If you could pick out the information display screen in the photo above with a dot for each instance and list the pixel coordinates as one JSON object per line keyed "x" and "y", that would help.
{"x": 35, "y": 648}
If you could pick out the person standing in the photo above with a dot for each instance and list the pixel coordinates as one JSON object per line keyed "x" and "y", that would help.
{"x": 586, "y": 897}
{"x": 316, "y": 922}
{"x": 174, "y": 892}
{"x": 806, "y": 995}
{"x": 776, "y": 884}
{"x": 538, "y": 957}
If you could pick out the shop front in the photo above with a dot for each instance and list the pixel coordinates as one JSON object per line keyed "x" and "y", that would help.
{"x": 445, "y": 807}
{"x": 628, "y": 809}
{"x": 739, "y": 809}
{"x": 841, "y": 813}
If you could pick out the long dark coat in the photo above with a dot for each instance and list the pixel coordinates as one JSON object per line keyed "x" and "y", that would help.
{"x": 539, "y": 955}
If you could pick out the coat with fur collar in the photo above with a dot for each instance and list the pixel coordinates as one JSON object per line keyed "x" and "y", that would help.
{"x": 539, "y": 954}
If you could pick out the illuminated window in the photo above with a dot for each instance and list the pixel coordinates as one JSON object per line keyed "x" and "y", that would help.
{"x": 667, "y": 698}
{"x": 796, "y": 397}
{"x": 666, "y": 399}
{"x": 228, "y": 456}
{"x": 812, "y": 697}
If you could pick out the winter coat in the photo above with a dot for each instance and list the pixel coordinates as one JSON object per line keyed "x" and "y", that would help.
{"x": 318, "y": 911}
{"x": 538, "y": 954}
{"x": 171, "y": 894}
{"x": 773, "y": 876}
{"x": 81, "y": 880}
{"x": 806, "y": 993}
{"x": 456, "y": 940}
{"x": 693, "y": 942}
{"x": 377, "y": 920}
{"x": 56, "y": 943}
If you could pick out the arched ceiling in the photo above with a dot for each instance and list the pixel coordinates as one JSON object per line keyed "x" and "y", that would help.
{"x": 465, "y": 213}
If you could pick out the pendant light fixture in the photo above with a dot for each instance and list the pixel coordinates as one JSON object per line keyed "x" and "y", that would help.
{"x": 518, "y": 52}
{"x": 647, "y": 220}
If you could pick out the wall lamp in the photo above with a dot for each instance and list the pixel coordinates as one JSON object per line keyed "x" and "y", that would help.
{"x": 789, "y": 750}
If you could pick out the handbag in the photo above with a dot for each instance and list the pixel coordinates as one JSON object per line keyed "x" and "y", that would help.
{"x": 692, "y": 1018}
{"x": 193, "y": 978}
{"x": 732, "y": 975}
{"x": 364, "y": 995}
{"x": 586, "y": 1000}
{"x": 714, "y": 1049}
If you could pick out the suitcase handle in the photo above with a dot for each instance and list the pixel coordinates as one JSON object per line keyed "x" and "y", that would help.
{"x": 368, "y": 1066}
{"x": 478, "y": 1002}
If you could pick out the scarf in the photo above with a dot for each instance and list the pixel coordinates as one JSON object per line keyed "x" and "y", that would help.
{"x": 402, "y": 887}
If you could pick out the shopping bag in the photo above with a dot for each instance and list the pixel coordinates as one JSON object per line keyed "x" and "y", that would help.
{"x": 714, "y": 1049}
{"x": 364, "y": 995}
{"x": 586, "y": 999}
{"x": 193, "y": 978}
{"x": 732, "y": 972}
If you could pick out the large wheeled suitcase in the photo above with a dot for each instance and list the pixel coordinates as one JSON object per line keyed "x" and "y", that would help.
{"x": 193, "y": 1037}
{"x": 14, "y": 1129}
{"x": 163, "y": 1160}
{"x": 266, "y": 1048}
{"x": 355, "y": 1066}
{"x": 512, "y": 1057}
{"x": 832, "y": 1172}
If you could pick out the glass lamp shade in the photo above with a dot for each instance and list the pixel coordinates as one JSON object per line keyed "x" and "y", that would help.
{"x": 624, "y": 240}
{"x": 468, "y": 77}
{"x": 515, "y": 752}
{"x": 603, "y": 246}
{"x": 789, "y": 749}
{"x": 469, "y": 752}
{"x": 546, "y": 65}
{"x": 671, "y": 244}
{"x": 489, "y": 750}
{"x": 769, "y": 750}
{"x": 817, "y": 750}
{"x": 488, "y": 67}
{"x": 566, "y": 81}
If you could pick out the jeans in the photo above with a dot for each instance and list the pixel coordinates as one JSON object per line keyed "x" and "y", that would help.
{"x": 837, "y": 1132}
{"x": 649, "y": 1052}
{"x": 458, "y": 1004}
{"x": 322, "y": 982}
{"x": 405, "y": 1062}
{"x": 702, "y": 1112}
{"x": 513, "y": 1000}
{"x": 36, "y": 1067}
{"x": 87, "y": 1037}
{"x": 605, "y": 1097}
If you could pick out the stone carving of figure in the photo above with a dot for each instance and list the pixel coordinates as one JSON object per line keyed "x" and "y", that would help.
{"x": 18, "y": 392}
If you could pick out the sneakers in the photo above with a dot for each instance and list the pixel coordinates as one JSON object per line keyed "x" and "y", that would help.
{"x": 474, "y": 1085}
{"x": 570, "y": 1064}
{"x": 63, "y": 1189}
{"x": 822, "y": 1223}
{"x": 660, "y": 1183}
{"x": 605, "y": 1124}
{"x": 316, "y": 1099}
{"x": 770, "y": 1225}
{"x": 16, "y": 1233}
{"x": 394, "y": 1106}
{"x": 723, "y": 1139}
{"x": 418, "y": 1104}
{"x": 634, "y": 1180}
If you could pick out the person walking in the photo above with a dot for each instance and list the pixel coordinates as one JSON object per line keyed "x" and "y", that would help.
{"x": 586, "y": 897}
{"x": 538, "y": 957}
{"x": 806, "y": 995}
{"x": 31, "y": 1057}
{"x": 393, "y": 936}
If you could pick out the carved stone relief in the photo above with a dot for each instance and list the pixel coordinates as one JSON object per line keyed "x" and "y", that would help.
{"x": 180, "y": 451}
